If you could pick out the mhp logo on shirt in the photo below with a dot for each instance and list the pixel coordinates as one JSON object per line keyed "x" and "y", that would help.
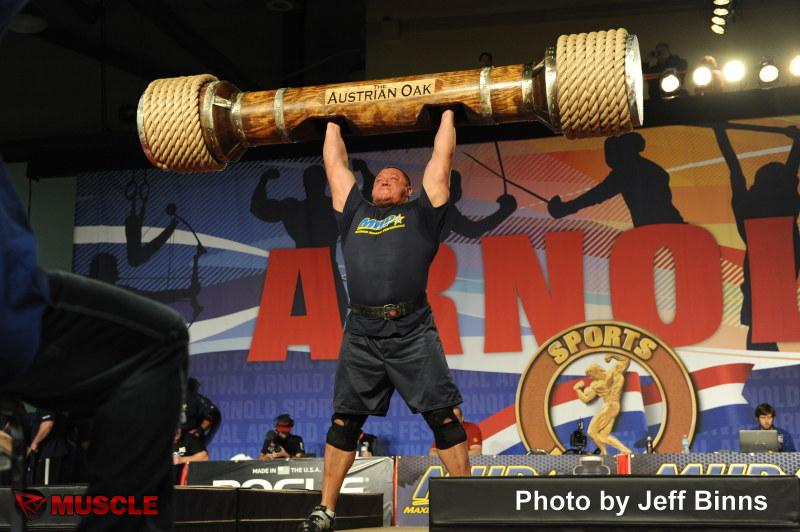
{"x": 371, "y": 226}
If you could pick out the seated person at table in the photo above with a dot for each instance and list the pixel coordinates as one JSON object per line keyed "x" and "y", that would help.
{"x": 186, "y": 447}
{"x": 281, "y": 443}
{"x": 203, "y": 417}
{"x": 765, "y": 415}
{"x": 474, "y": 441}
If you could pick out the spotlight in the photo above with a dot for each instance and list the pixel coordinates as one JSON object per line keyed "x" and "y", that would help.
{"x": 719, "y": 30}
{"x": 733, "y": 71}
{"x": 794, "y": 66}
{"x": 721, "y": 11}
{"x": 669, "y": 82}
{"x": 719, "y": 21}
{"x": 702, "y": 76}
{"x": 768, "y": 72}
{"x": 721, "y": 2}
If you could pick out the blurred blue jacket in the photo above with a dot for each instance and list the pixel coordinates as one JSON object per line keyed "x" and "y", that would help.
{"x": 23, "y": 285}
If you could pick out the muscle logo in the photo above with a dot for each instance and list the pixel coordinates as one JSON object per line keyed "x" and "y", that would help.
{"x": 30, "y": 503}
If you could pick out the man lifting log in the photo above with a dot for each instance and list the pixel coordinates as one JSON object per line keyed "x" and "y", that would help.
{"x": 390, "y": 341}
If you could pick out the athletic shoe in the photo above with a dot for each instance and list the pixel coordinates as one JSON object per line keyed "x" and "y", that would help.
{"x": 319, "y": 520}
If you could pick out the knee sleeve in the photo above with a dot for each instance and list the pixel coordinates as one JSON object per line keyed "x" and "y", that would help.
{"x": 345, "y": 430}
{"x": 447, "y": 431}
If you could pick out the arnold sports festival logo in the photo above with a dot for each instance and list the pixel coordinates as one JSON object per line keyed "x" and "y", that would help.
{"x": 627, "y": 383}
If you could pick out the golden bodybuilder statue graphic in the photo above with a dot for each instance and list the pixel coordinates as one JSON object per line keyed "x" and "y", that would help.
{"x": 608, "y": 384}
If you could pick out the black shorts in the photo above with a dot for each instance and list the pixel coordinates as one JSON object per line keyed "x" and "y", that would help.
{"x": 371, "y": 368}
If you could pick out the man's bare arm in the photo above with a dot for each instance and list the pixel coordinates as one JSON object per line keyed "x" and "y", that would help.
{"x": 45, "y": 427}
{"x": 436, "y": 180}
{"x": 334, "y": 154}
{"x": 202, "y": 456}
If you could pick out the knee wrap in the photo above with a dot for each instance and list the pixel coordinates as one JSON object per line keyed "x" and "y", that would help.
{"x": 447, "y": 431}
{"x": 345, "y": 436}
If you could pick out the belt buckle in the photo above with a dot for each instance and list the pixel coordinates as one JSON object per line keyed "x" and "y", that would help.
{"x": 390, "y": 311}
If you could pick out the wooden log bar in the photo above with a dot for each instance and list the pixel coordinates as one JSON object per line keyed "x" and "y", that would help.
{"x": 199, "y": 123}
{"x": 390, "y": 105}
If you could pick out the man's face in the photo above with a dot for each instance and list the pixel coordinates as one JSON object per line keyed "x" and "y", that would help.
{"x": 390, "y": 188}
{"x": 766, "y": 421}
{"x": 662, "y": 53}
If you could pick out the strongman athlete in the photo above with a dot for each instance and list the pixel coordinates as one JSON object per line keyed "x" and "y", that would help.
{"x": 390, "y": 341}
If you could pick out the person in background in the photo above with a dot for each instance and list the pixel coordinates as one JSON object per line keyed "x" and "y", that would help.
{"x": 474, "y": 441}
{"x": 281, "y": 443}
{"x": 186, "y": 447}
{"x": 53, "y": 451}
{"x": 367, "y": 445}
{"x": 765, "y": 414}
{"x": 657, "y": 62}
{"x": 203, "y": 418}
{"x": 485, "y": 59}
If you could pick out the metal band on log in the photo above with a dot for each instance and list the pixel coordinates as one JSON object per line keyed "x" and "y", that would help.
{"x": 589, "y": 85}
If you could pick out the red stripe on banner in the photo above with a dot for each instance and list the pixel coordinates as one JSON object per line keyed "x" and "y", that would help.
{"x": 498, "y": 421}
{"x": 651, "y": 395}
{"x": 565, "y": 392}
{"x": 725, "y": 374}
{"x": 733, "y": 255}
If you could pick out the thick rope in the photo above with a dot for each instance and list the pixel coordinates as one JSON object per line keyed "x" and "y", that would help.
{"x": 592, "y": 92}
{"x": 171, "y": 124}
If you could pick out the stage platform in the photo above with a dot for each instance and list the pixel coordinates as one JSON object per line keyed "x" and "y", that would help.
{"x": 393, "y": 528}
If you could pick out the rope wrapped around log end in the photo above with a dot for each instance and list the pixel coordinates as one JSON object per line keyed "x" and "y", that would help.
{"x": 169, "y": 125}
{"x": 592, "y": 93}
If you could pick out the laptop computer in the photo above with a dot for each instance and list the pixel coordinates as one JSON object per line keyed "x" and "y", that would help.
{"x": 758, "y": 441}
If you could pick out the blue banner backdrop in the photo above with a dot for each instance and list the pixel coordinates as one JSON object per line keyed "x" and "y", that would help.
{"x": 202, "y": 243}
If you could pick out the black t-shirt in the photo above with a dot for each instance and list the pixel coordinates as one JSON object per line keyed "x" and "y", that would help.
{"x": 188, "y": 445}
{"x": 292, "y": 444}
{"x": 387, "y": 253}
